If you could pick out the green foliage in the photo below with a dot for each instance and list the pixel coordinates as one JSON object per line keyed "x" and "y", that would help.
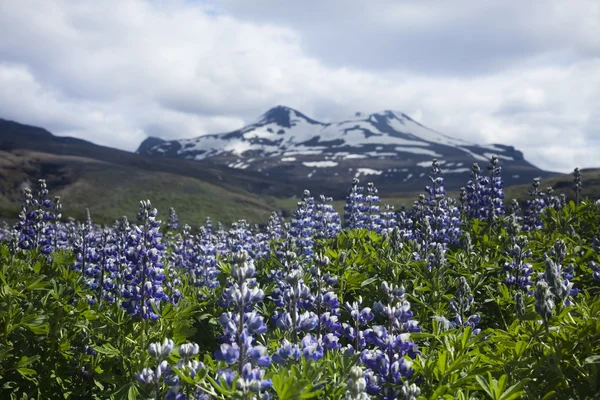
{"x": 47, "y": 322}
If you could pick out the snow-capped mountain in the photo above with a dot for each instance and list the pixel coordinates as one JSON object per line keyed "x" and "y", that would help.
{"x": 389, "y": 148}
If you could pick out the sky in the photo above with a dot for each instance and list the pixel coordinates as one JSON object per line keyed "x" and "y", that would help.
{"x": 524, "y": 73}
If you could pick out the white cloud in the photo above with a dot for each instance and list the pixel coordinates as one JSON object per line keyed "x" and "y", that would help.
{"x": 112, "y": 72}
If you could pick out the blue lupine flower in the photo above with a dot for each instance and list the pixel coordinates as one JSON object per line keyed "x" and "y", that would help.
{"x": 386, "y": 360}
{"x": 357, "y": 385}
{"x": 577, "y": 185}
{"x": 533, "y": 210}
{"x": 544, "y": 304}
{"x": 354, "y": 217}
{"x": 518, "y": 271}
{"x": 287, "y": 351}
{"x": 484, "y": 195}
{"x": 302, "y": 226}
{"x": 143, "y": 290}
{"x": 229, "y": 353}
{"x": 596, "y": 268}
{"x": 173, "y": 221}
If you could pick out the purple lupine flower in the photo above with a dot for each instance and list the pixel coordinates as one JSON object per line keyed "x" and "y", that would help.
{"x": 519, "y": 272}
{"x": 388, "y": 218}
{"x": 354, "y": 217}
{"x": 544, "y": 304}
{"x": 577, "y": 185}
{"x": 243, "y": 323}
{"x": 373, "y": 220}
{"x": 302, "y": 226}
{"x": 558, "y": 280}
{"x": 386, "y": 360}
{"x": 327, "y": 220}
{"x": 287, "y": 351}
{"x": 273, "y": 230}
{"x": 483, "y": 197}
{"x": 533, "y": 211}
{"x": 143, "y": 281}
{"x": 326, "y": 304}
{"x": 173, "y": 221}
{"x": 461, "y": 304}
{"x": 439, "y": 219}
{"x": 33, "y": 220}
{"x": 596, "y": 268}
{"x": 361, "y": 317}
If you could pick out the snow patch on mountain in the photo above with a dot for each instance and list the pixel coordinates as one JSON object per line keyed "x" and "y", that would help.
{"x": 320, "y": 164}
{"x": 366, "y": 171}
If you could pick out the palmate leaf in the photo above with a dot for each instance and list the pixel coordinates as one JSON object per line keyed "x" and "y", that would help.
{"x": 495, "y": 388}
{"x": 292, "y": 384}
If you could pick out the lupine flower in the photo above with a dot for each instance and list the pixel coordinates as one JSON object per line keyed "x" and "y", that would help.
{"x": 287, "y": 351}
{"x": 33, "y": 220}
{"x": 327, "y": 220}
{"x": 357, "y": 385}
{"x": 577, "y": 186}
{"x": 354, "y": 210}
{"x": 439, "y": 218}
{"x": 373, "y": 220}
{"x": 273, "y": 230}
{"x": 483, "y": 197}
{"x": 518, "y": 271}
{"x": 560, "y": 287}
{"x": 543, "y": 300}
{"x": 532, "y": 216}
{"x": 410, "y": 391}
{"x": 302, "y": 226}
{"x": 161, "y": 351}
{"x": 361, "y": 317}
{"x": 461, "y": 304}
{"x": 326, "y": 304}
{"x": 386, "y": 362}
{"x": 164, "y": 373}
{"x": 143, "y": 282}
{"x": 242, "y": 324}
{"x": 596, "y": 268}
{"x": 294, "y": 295}
{"x": 173, "y": 221}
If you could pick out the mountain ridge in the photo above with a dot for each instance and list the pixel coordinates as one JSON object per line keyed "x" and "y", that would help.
{"x": 389, "y": 147}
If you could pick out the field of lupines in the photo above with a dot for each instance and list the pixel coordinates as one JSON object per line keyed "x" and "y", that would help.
{"x": 447, "y": 299}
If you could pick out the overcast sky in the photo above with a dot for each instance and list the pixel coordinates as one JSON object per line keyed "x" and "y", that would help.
{"x": 522, "y": 73}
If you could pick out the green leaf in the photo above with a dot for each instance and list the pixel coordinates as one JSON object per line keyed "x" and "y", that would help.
{"x": 90, "y": 315}
{"x": 592, "y": 360}
{"x": 107, "y": 349}
{"x": 39, "y": 329}
{"x": 368, "y": 281}
{"x": 26, "y": 371}
{"x": 132, "y": 393}
{"x": 100, "y": 386}
{"x": 513, "y": 392}
{"x": 485, "y": 385}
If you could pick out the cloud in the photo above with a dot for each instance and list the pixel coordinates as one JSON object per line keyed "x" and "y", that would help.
{"x": 116, "y": 71}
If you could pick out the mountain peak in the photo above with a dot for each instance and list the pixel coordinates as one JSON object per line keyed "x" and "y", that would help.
{"x": 283, "y": 116}
{"x": 149, "y": 143}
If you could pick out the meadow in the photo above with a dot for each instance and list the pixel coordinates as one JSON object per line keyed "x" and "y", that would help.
{"x": 470, "y": 297}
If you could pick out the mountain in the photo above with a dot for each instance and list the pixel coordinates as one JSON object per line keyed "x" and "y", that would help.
{"x": 388, "y": 148}
{"x": 111, "y": 182}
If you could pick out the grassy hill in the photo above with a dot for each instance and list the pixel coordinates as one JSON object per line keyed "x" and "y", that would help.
{"x": 111, "y": 190}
